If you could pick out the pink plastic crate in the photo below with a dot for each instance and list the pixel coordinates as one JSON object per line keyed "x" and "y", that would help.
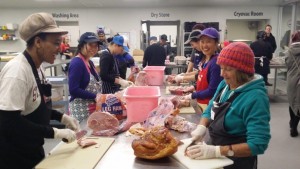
{"x": 155, "y": 75}
{"x": 140, "y": 100}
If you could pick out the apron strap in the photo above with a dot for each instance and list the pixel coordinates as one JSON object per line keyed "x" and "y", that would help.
{"x": 35, "y": 73}
{"x": 230, "y": 99}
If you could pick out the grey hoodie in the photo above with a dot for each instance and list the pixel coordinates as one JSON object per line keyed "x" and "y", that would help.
{"x": 293, "y": 76}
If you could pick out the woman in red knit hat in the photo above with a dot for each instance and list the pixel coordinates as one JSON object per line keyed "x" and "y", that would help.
{"x": 238, "y": 115}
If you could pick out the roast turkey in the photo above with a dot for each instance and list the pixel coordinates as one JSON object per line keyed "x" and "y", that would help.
{"x": 156, "y": 143}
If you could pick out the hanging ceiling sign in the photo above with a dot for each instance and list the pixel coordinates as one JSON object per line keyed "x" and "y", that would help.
{"x": 245, "y": 14}
{"x": 65, "y": 15}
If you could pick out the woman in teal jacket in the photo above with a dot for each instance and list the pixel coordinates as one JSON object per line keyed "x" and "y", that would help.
{"x": 238, "y": 115}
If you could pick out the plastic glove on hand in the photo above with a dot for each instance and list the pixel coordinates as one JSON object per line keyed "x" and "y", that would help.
{"x": 125, "y": 83}
{"x": 70, "y": 122}
{"x": 66, "y": 134}
{"x": 199, "y": 133}
{"x": 203, "y": 151}
{"x": 178, "y": 78}
{"x": 189, "y": 89}
{"x": 188, "y": 97}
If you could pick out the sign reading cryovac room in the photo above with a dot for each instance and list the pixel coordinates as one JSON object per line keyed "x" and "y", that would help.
{"x": 160, "y": 15}
{"x": 251, "y": 13}
{"x": 65, "y": 15}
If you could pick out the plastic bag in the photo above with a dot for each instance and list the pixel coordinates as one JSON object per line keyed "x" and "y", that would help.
{"x": 111, "y": 103}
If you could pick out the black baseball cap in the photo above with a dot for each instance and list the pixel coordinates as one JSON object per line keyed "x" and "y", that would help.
{"x": 88, "y": 37}
{"x": 164, "y": 37}
{"x": 194, "y": 35}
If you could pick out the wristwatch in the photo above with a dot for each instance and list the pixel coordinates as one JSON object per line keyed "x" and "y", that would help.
{"x": 230, "y": 152}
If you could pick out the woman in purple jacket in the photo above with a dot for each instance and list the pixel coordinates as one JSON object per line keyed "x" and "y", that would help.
{"x": 84, "y": 81}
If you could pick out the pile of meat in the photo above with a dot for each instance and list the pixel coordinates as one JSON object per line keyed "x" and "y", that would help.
{"x": 155, "y": 143}
{"x": 141, "y": 79}
{"x": 134, "y": 71}
{"x": 180, "y": 90}
{"x": 103, "y": 124}
{"x": 166, "y": 115}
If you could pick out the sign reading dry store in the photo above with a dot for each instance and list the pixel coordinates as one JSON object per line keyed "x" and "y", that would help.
{"x": 251, "y": 13}
{"x": 160, "y": 15}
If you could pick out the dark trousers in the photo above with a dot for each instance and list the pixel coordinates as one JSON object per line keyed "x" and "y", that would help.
{"x": 265, "y": 76}
{"x": 294, "y": 121}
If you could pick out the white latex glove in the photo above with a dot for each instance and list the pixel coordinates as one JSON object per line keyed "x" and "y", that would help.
{"x": 188, "y": 97}
{"x": 68, "y": 134}
{"x": 178, "y": 78}
{"x": 124, "y": 83}
{"x": 203, "y": 151}
{"x": 198, "y": 133}
{"x": 70, "y": 122}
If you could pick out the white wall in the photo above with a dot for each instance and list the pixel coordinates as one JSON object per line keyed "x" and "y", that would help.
{"x": 239, "y": 29}
{"x": 169, "y": 30}
{"x": 129, "y": 19}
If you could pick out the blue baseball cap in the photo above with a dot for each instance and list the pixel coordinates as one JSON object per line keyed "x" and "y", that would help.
{"x": 126, "y": 48}
{"x": 88, "y": 37}
{"x": 118, "y": 40}
{"x": 210, "y": 32}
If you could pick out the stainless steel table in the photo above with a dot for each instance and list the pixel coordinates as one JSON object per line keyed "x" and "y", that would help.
{"x": 276, "y": 66}
{"x": 180, "y": 68}
{"x": 57, "y": 62}
{"x": 120, "y": 154}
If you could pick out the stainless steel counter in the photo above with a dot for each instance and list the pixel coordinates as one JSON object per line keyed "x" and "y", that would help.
{"x": 276, "y": 66}
{"x": 57, "y": 64}
{"x": 121, "y": 155}
{"x": 180, "y": 68}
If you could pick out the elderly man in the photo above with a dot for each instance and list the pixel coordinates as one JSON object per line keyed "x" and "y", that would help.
{"x": 24, "y": 116}
{"x": 155, "y": 54}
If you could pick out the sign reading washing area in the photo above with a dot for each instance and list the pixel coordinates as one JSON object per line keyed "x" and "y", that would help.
{"x": 65, "y": 15}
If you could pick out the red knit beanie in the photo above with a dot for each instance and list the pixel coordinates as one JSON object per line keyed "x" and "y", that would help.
{"x": 238, "y": 55}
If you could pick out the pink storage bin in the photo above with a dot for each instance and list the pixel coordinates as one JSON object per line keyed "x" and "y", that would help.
{"x": 155, "y": 75}
{"x": 140, "y": 100}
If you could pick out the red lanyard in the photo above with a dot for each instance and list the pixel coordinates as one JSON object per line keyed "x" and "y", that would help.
{"x": 86, "y": 64}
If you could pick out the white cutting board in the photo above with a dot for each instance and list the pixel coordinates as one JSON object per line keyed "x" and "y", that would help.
{"x": 196, "y": 164}
{"x": 72, "y": 156}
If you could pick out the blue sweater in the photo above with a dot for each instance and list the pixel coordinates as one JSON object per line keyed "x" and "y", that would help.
{"x": 79, "y": 79}
{"x": 248, "y": 115}
{"x": 214, "y": 78}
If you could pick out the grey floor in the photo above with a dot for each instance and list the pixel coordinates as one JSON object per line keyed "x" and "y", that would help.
{"x": 283, "y": 151}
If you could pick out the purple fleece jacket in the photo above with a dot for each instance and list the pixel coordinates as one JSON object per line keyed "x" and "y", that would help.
{"x": 79, "y": 79}
{"x": 214, "y": 78}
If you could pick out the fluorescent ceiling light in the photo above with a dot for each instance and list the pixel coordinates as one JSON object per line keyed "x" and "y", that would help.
{"x": 52, "y": 0}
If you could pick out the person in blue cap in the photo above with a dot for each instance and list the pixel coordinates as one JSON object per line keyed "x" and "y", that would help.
{"x": 109, "y": 72}
{"x": 125, "y": 60}
{"x": 84, "y": 81}
{"x": 155, "y": 54}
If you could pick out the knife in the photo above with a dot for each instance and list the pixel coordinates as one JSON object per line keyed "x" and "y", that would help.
{"x": 79, "y": 135}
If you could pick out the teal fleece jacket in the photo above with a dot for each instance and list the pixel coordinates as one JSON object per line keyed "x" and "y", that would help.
{"x": 249, "y": 113}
